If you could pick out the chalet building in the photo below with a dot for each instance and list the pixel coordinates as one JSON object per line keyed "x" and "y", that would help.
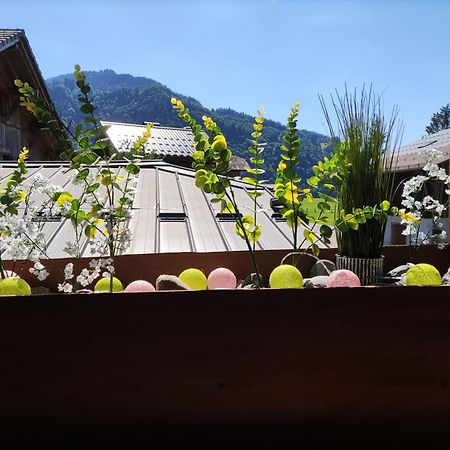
{"x": 410, "y": 163}
{"x": 18, "y": 128}
{"x": 171, "y": 144}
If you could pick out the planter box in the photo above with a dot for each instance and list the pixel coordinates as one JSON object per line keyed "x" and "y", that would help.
{"x": 227, "y": 369}
{"x": 150, "y": 266}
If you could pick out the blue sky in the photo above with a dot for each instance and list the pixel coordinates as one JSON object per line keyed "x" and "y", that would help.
{"x": 241, "y": 54}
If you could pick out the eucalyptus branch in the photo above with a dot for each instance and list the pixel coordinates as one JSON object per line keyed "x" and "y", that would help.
{"x": 211, "y": 163}
{"x": 290, "y": 194}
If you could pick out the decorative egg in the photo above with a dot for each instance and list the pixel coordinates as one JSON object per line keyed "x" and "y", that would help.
{"x": 194, "y": 278}
{"x": 343, "y": 278}
{"x": 286, "y": 277}
{"x": 103, "y": 285}
{"x": 14, "y": 286}
{"x": 423, "y": 275}
{"x": 222, "y": 278}
{"x": 140, "y": 286}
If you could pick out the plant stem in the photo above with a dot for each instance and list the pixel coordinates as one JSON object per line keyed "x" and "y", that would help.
{"x": 231, "y": 198}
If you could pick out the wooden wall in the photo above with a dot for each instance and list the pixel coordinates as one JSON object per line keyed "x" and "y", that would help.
{"x": 18, "y": 128}
{"x": 271, "y": 369}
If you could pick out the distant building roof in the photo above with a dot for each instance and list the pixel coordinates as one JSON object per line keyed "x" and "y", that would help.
{"x": 9, "y": 37}
{"x": 170, "y": 214}
{"x": 164, "y": 141}
{"x": 17, "y": 61}
{"x": 409, "y": 157}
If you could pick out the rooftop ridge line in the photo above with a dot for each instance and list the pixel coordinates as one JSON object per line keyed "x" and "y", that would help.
{"x": 157, "y": 126}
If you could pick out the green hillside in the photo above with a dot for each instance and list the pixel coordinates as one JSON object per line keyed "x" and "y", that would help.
{"x": 125, "y": 98}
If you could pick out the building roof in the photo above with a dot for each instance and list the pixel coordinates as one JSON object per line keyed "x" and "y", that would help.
{"x": 9, "y": 37}
{"x": 170, "y": 214}
{"x": 17, "y": 61}
{"x": 409, "y": 156}
{"x": 164, "y": 141}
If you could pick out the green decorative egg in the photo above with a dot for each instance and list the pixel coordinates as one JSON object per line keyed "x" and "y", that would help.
{"x": 194, "y": 278}
{"x": 14, "y": 286}
{"x": 423, "y": 275}
{"x": 286, "y": 277}
{"x": 103, "y": 285}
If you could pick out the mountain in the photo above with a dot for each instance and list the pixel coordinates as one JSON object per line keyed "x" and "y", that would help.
{"x": 130, "y": 99}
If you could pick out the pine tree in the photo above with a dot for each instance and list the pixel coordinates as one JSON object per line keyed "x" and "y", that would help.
{"x": 440, "y": 120}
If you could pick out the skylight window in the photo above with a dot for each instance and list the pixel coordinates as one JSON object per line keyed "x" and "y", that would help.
{"x": 170, "y": 216}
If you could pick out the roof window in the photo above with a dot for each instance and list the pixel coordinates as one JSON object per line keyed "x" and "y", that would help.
{"x": 170, "y": 216}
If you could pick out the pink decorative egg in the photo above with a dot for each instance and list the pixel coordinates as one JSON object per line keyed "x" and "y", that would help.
{"x": 222, "y": 278}
{"x": 343, "y": 278}
{"x": 140, "y": 286}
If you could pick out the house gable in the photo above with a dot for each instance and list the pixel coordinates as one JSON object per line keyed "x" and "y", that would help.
{"x": 18, "y": 128}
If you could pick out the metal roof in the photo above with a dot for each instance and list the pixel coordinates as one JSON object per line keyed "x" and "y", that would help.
{"x": 9, "y": 37}
{"x": 165, "y": 141}
{"x": 170, "y": 214}
{"x": 409, "y": 157}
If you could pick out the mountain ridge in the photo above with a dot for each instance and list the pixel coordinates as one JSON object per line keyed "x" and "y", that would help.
{"x": 129, "y": 99}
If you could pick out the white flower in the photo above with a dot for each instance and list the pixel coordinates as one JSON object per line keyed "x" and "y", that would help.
{"x": 38, "y": 265}
{"x": 65, "y": 208}
{"x": 440, "y": 209}
{"x": 40, "y": 184}
{"x": 68, "y": 271}
{"x": 99, "y": 245}
{"x": 65, "y": 287}
{"x": 42, "y": 275}
{"x": 39, "y": 271}
{"x": 94, "y": 263}
{"x": 431, "y": 154}
{"x": 413, "y": 187}
{"x": 108, "y": 261}
{"x": 72, "y": 249}
{"x": 422, "y": 238}
{"x": 410, "y": 228}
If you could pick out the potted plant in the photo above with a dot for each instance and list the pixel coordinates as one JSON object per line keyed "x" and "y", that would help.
{"x": 361, "y": 169}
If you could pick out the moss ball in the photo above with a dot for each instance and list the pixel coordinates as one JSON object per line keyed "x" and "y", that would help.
{"x": 140, "y": 286}
{"x": 194, "y": 278}
{"x": 423, "y": 275}
{"x": 103, "y": 285}
{"x": 286, "y": 277}
{"x": 14, "y": 286}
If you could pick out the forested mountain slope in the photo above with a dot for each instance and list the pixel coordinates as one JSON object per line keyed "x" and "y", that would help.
{"x": 126, "y": 98}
